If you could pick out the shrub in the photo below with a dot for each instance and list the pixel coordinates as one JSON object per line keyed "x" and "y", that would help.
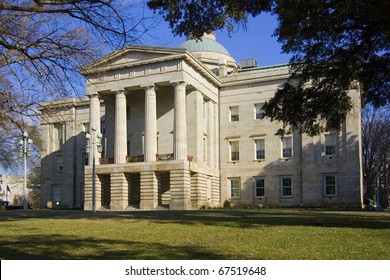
{"x": 227, "y": 204}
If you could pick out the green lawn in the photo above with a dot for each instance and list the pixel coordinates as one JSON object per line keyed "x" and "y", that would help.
{"x": 208, "y": 234}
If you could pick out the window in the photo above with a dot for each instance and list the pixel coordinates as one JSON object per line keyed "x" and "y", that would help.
{"x": 259, "y": 187}
{"x": 259, "y": 113}
{"x": 330, "y": 144}
{"x": 260, "y": 148}
{"x": 56, "y": 193}
{"x": 235, "y": 186}
{"x": 330, "y": 184}
{"x": 287, "y": 147}
{"x": 234, "y": 150}
{"x": 234, "y": 113}
{"x": 59, "y": 164}
{"x": 286, "y": 187}
{"x": 59, "y": 134}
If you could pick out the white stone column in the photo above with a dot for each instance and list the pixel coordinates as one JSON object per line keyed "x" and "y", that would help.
{"x": 94, "y": 122}
{"x": 120, "y": 149}
{"x": 180, "y": 124}
{"x": 150, "y": 124}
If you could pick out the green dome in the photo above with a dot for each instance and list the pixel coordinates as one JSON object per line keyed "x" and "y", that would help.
{"x": 204, "y": 45}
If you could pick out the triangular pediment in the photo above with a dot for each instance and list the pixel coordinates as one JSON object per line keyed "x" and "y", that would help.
{"x": 131, "y": 55}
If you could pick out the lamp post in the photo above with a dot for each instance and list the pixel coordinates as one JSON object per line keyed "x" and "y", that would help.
{"x": 24, "y": 152}
{"x": 92, "y": 141}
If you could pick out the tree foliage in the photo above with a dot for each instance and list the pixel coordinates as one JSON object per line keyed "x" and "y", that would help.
{"x": 334, "y": 44}
{"x": 195, "y": 17}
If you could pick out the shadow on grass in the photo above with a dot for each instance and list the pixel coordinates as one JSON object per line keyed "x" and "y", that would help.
{"x": 62, "y": 247}
{"x": 271, "y": 217}
{"x": 226, "y": 218}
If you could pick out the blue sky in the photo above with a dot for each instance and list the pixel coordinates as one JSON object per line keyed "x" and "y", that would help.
{"x": 256, "y": 42}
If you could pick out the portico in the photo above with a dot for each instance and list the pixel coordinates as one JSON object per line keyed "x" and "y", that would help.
{"x": 145, "y": 137}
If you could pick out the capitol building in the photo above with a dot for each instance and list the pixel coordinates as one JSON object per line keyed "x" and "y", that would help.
{"x": 183, "y": 128}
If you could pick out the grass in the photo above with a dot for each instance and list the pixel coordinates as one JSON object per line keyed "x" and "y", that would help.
{"x": 209, "y": 234}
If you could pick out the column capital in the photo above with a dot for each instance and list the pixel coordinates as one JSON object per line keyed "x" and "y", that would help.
{"x": 148, "y": 86}
{"x": 92, "y": 95}
{"x": 178, "y": 83}
{"x": 119, "y": 91}
{"x": 119, "y": 94}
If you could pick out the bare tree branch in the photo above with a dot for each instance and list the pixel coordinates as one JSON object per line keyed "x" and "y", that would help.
{"x": 43, "y": 43}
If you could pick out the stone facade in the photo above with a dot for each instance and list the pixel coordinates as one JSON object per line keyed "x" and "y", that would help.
{"x": 183, "y": 129}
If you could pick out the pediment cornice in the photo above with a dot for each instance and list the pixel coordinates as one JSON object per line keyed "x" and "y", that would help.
{"x": 110, "y": 62}
{"x": 113, "y": 61}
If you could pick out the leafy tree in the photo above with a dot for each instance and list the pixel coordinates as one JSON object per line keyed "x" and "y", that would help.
{"x": 43, "y": 43}
{"x": 333, "y": 43}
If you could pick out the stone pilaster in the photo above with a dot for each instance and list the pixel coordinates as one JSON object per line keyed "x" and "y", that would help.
{"x": 150, "y": 124}
{"x": 180, "y": 190}
{"x": 195, "y": 125}
{"x": 180, "y": 124}
{"x": 211, "y": 132}
{"x": 120, "y": 128}
{"x": 88, "y": 192}
{"x": 149, "y": 190}
{"x": 119, "y": 191}
{"x": 216, "y": 136}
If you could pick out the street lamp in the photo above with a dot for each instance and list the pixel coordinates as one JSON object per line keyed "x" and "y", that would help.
{"x": 94, "y": 140}
{"x": 24, "y": 152}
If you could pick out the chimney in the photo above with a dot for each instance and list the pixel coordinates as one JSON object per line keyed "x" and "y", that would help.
{"x": 248, "y": 63}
